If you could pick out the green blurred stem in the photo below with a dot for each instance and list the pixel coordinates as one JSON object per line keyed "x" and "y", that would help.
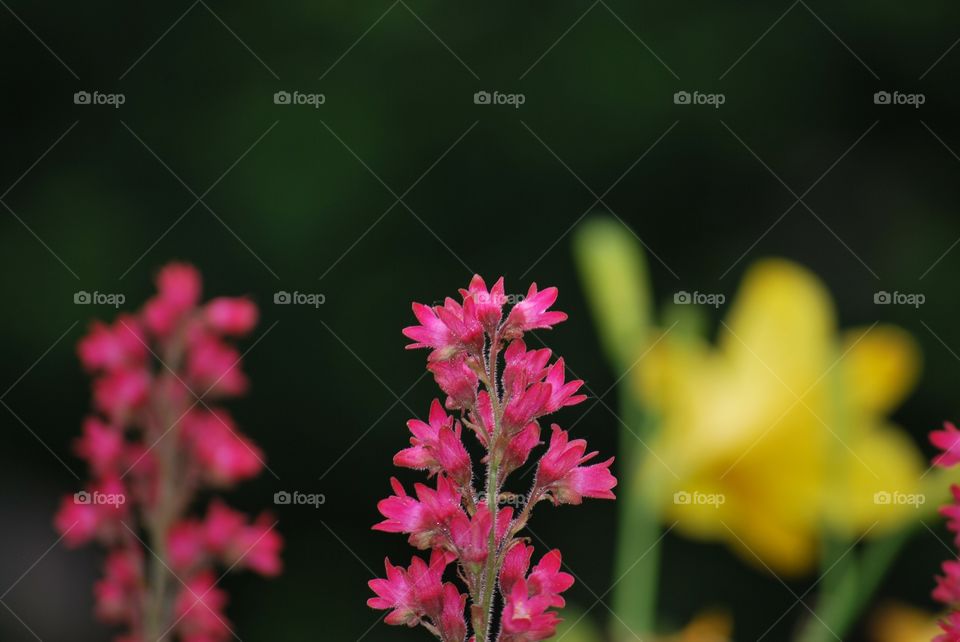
{"x": 855, "y": 580}
{"x": 637, "y": 558}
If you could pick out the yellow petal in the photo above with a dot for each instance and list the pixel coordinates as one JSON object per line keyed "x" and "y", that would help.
{"x": 877, "y": 485}
{"x": 778, "y": 334}
{"x": 881, "y": 366}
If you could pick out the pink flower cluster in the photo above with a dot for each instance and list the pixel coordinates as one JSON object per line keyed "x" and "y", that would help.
{"x": 152, "y": 444}
{"x": 947, "y": 590}
{"x": 500, "y": 391}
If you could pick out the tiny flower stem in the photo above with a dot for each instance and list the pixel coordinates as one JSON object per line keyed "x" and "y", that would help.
{"x": 168, "y": 503}
{"x": 493, "y": 492}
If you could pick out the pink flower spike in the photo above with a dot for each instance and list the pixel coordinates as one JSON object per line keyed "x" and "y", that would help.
{"x": 460, "y": 522}
{"x": 947, "y": 440}
{"x": 564, "y": 479}
{"x": 532, "y": 314}
{"x": 233, "y": 316}
{"x": 147, "y": 371}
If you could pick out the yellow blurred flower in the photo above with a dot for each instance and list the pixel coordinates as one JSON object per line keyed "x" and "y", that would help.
{"x": 900, "y": 623}
{"x": 709, "y": 626}
{"x": 780, "y": 429}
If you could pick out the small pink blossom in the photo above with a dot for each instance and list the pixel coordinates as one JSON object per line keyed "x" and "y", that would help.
{"x": 212, "y": 367}
{"x": 425, "y": 518}
{"x": 221, "y": 526}
{"x": 457, "y": 380}
{"x": 121, "y": 391}
{"x": 431, "y": 333}
{"x": 115, "y": 593}
{"x": 951, "y": 628}
{"x": 413, "y": 593}
{"x": 185, "y": 545}
{"x": 526, "y": 617}
{"x": 947, "y": 440}
{"x": 226, "y": 456}
{"x": 562, "y": 476}
{"x": 256, "y": 547}
{"x": 108, "y": 347}
{"x": 532, "y": 313}
{"x": 231, "y": 316}
{"x": 948, "y": 584}
{"x": 436, "y": 447}
{"x": 469, "y": 535}
{"x": 179, "y": 286}
{"x": 101, "y": 445}
{"x": 520, "y": 446}
{"x": 199, "y": 609}
{"x": 488, "y": 305}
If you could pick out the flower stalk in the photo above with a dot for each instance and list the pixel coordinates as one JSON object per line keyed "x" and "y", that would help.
{"x": 503, "y": 409}
{"x": 153, "y": 443}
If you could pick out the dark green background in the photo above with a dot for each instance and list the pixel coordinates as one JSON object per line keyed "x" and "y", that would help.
{"x": 498, "y": 200}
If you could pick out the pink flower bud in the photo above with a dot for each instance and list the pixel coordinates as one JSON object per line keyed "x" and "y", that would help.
{"x": 231, "y": 316}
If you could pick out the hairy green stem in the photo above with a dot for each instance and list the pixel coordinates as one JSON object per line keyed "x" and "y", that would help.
{"x": 493, "y": 493}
